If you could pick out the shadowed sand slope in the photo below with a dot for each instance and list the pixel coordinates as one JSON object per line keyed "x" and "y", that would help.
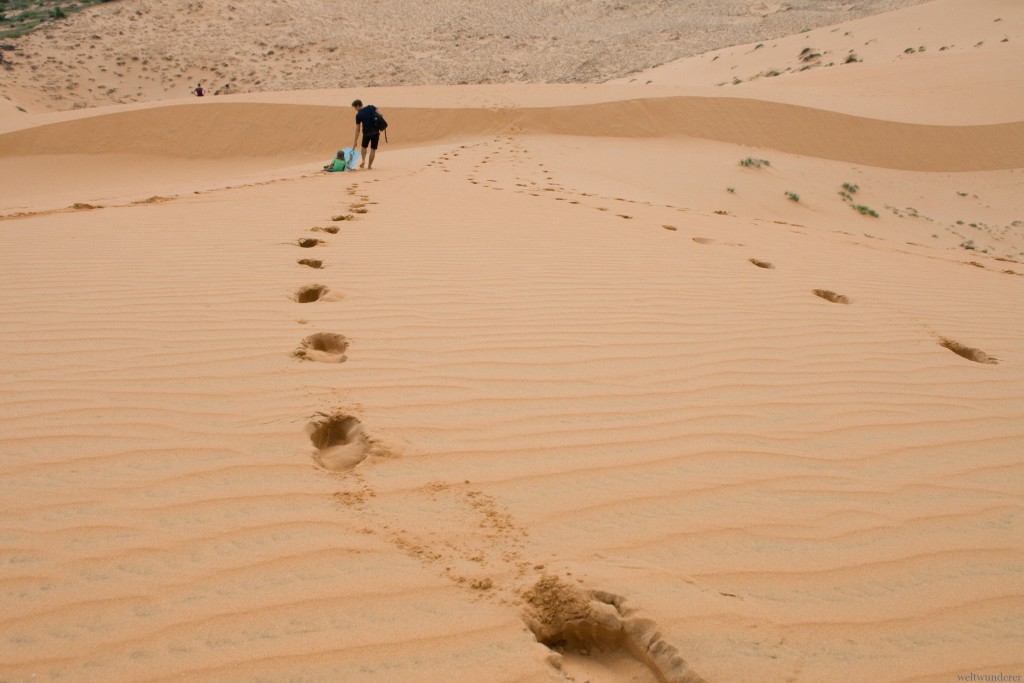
{"x": 220, "y": 130}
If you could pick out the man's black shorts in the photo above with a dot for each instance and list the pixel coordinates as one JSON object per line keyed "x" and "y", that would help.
{"x": 371, "y": 140}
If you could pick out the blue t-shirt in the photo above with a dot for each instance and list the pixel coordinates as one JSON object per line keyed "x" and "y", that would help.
{"x": 365, "y": 117}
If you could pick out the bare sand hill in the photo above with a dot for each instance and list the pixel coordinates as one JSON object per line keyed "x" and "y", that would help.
{"x": 946, "y": 62}
{"x": 559, "y": 390}
{"x": 150, "y": 50}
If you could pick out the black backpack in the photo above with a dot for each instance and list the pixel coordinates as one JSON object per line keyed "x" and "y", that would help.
{"x": 380, "y": 123}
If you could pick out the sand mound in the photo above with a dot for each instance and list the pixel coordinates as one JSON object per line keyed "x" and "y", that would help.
{"x": 211, "y": 130}
{"x": 944, "y": 62}
{"x": 597, "y": 627}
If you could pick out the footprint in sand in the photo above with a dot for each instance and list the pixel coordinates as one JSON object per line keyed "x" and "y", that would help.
{"x": 311, "y": 262}
{"x": 311, "y": 293}
{"x": 762, "y": 264}
{"x": 585, "y": 630}
{"x": 976, "y": 355}
{"x": 333, "y": 229}
{"x": 831, "y": 296}
{"x": 308, "y": 242}
{"x": 708, "y": 240}
{"x": 323, "y": 347}
{"x": 340, "y": 442}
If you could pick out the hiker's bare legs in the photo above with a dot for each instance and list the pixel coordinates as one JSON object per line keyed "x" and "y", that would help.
{"x": 365, "y": 117}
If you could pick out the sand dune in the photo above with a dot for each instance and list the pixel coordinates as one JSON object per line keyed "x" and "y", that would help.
{"x": 559, "y": 390}
{"x": 145, "y": 50}
{"x": 213, "y": 131}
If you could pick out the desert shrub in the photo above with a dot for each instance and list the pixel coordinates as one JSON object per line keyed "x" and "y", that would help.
{"x": 24, "y": 16}
{"x": 865, "y": 210}
{"x": 750, "y": 162}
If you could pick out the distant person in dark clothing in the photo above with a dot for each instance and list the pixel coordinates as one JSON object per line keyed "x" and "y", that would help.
{"x": 199, "y": 90}
{"x": 371, "y": 136}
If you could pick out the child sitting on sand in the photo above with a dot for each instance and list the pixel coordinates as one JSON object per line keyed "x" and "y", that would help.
{"x": 345, "y": 160}
{"x": 338, "y": 163}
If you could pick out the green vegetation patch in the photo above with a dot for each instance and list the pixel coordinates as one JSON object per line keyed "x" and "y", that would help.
{"x": 18, "y": 17}
{"x": 750, "y": 162}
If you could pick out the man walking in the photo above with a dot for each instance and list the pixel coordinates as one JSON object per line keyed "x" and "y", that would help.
{"x": 366, "y": 119}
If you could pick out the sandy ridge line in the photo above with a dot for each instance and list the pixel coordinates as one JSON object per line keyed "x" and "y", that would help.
{"x": 218, "y": 130}
{"x": 82, "y": 206}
